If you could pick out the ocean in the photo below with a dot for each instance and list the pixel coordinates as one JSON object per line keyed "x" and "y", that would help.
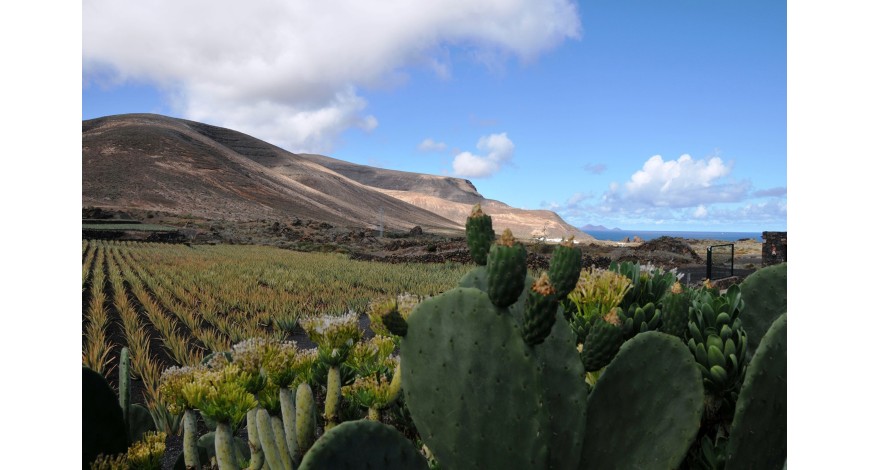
{"x": 619, "y": 235}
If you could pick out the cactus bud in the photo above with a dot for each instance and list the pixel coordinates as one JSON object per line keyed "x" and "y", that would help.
{"x": 506, "y": 270}
{"x": 540, "y": 313}
{"x": 565, "y": 265}
{"x": 479, "y": 234}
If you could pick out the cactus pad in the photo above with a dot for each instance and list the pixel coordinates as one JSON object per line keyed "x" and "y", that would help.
{"x": 758, "y": 434}
{"x": 363, "y": 444}
{"x": 103, "y": 428}
{"x": 506, "y": 270}
{"x": 602, "y": 342}
{"x": 565, "y": 265}
{"x": 654, "y": 385}
{"x": 480, "y": 397}
{"x": 764, "y": 297}
{"x": 479, "y": 234}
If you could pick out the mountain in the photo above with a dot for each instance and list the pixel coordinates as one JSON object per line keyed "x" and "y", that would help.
{"x": 154, "y": 162}
{"x": 600, "y": 228}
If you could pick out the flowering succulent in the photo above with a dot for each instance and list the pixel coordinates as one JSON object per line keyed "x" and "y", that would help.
{"x": 304, "y": 366}
{"x": 220, "y": 394}
{"x": 172, "y": 381}
{"x": 279, "y": 366}
{"x": 598, "y": 290}
{"x": 335, "y": 335}
{"x": 147, "y": 453}
{"x": 370, "y": 392}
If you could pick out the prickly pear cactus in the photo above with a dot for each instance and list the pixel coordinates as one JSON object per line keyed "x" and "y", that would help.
{"x": 540, "y": 313}
{"x": 675, "y": 311}
{"x": 103, "y": 427}
{"x": 646, "y": 407}
{"x": 565, "y": 265}
{"x": 363, "y": 444}
{"x": 602, "y": 342}
{"x": 479, "y": 234}
{"x": 482, "y": 398}
{"x": 764, "y": 296}
{"x": 758, "y": 433}
{"x": 506, "y": 270}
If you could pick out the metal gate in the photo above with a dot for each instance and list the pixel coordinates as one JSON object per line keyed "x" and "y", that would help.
{"x": 720, "y": 261}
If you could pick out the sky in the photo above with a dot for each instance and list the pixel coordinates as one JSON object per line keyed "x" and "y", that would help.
{"x": 667, "y": 115}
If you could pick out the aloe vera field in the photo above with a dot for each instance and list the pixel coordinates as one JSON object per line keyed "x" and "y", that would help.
{"x": 230, "y": 356}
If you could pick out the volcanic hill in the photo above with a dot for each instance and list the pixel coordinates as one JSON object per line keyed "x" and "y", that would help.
{"x": 156, "y": 163}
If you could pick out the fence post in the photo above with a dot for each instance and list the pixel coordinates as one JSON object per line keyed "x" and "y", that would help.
{"x": 710, "y": 263}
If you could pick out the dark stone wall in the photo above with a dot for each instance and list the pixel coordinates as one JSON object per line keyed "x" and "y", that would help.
{"x": 773, "y": 250}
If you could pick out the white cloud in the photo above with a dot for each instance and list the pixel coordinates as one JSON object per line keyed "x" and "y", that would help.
{"x": 700, "y": 212}
{"x": 290, "y": 72}
{"x": 429, "y": 145}
{"x": 497, "y": 150}
{"x": 679, "y": 183}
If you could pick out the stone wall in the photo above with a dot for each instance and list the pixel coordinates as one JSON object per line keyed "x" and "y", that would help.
{"x": 773, "y": 250}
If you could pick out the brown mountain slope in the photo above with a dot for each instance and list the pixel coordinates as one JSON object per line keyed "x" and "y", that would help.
{"x": 453, "y": 198}
{"x": 153, "y": 162}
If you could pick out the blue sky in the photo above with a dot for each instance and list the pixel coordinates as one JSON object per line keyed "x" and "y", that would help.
{"x": 666, "y": 115}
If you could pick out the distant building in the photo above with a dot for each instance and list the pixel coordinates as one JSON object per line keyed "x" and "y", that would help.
{"x": 773, "y": 250}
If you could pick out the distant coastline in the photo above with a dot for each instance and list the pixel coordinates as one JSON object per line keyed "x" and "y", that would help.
{"x": 646, "y": 235}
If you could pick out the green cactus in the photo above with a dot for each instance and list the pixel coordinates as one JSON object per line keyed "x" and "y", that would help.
{"x": 758, "y": 433}
{"x": 506, "y": 270}
{"x": 479, "y": 234}
{"x": 565, "y": 265}
{"x": 636, "y": 319}
{"x": 137, "y": 418}
{"x": 103, "y": 428}
{"x": 764, "y": 295}
{"x": 459, "y": 353}
{"x": 645, "y": 409}
{"x": 540, "y": 312}
{"x": 675, "y": 311}
{"x": 602, "y": 342}
{"x": 363, "y": 444}
{"x": 648, "y": 284}
{"x": 124, "y": 382}
{"x": 306, "y": 417}
{"x": 718, "y": 341}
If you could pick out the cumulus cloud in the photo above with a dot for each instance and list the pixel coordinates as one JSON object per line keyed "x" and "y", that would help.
{"x": 679, "y": 183}
{"x": 429, "y": 145}
{"x": 497, "y": 150}
{"x": 683, "y": 192}
{"x": 290, "y": 72}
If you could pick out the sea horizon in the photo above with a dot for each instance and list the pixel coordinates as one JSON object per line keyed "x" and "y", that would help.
{"x": 647, "y": 235}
